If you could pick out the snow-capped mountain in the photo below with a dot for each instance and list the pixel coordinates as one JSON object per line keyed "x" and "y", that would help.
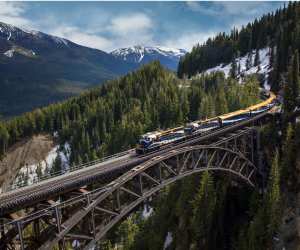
{"x": 37, "y": 69}
{"x": 168, "y": 57}
{"x": 12, "y": 33}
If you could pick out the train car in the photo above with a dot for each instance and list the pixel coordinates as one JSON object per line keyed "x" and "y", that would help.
{"x": 243, "y": 114}
{"x": 154, "y": 140}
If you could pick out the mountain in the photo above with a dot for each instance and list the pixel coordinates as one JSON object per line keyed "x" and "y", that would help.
{"x": 168, "y": 57}
{"x": 37, "y": 69}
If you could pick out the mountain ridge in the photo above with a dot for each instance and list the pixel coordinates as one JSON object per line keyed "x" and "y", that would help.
{"x": 169, "y": 57}
{"x": 37, "y": 69}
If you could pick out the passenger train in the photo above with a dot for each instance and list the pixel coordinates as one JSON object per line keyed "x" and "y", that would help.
{"x": 154, "y": 140}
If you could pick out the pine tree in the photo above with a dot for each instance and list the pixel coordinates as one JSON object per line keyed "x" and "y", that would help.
{"x": 38, "y": 171}
{"x": 221, "y": 102}
{"x": 289, "y": 176}
{"x": 256, "y": 59}
{"x": 57, "y": 165}
{"x": 291, "y": 87}
{"x": 4, "y": 139}
{"x": 127, "y": 232}
{"x": 234, "y": 68}
{"x": 249, "y": 60}
{"x": 274, "y": 197}
{"x": 203, "y": 210}
{"x": 295, "y": 82}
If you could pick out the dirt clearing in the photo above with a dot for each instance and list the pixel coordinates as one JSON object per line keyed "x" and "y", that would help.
{"x": 27, "y": 152}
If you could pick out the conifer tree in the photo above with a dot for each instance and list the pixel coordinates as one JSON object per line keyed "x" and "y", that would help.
{"x": 249, "y": 60}
{"x": 291, "y": 87}
{"x": 274, "y": 197}
{"x": 289, "y": 172}
{"x": 234, "y": 68}
{"x": 221, "y": 102}
{"x": 256, "y": 59}
{"x": 203, "y": 210}
{"x": 295, "y": 82}
{"x": 57, "y": 165}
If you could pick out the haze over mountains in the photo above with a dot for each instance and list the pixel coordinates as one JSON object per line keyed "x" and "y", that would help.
{"x": 37, "y": 69}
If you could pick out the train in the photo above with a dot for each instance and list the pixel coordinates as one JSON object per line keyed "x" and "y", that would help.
{"x": 153, "y": 141}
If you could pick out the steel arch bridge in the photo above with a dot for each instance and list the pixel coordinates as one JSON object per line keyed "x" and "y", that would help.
{"x": 86, "y": 216}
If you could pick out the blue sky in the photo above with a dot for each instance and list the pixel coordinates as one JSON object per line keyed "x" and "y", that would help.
{"x": 111, "y": 25}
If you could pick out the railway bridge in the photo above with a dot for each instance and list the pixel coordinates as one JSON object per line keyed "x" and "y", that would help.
{"x": 80, "y": 207}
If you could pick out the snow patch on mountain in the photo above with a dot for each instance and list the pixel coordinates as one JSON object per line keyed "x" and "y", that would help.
{"x": 9, "y": 36}
{"x": 138, "y": 52}
{"x": 263, "y": 67}
{"x": 22, "y": 51}
{"x": 168, "y": 57}
{"x": 9, "y": 53}
{"x": 59, "y": 40}
{"x": 12, "y": 32}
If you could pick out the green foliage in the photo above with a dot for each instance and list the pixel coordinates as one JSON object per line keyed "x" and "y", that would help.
{"x": 291, "y": 87}
{"x": 273, "y": 197}
{"x": 290, "y": 159}
{"x": 127, "y": 231}
{"x": 203, "y": 211}
{"x": 280, "y": 30}
{"x": 110, "y": 118}
{"x": 57, "y": 165}
{"x": 266, "y": 215}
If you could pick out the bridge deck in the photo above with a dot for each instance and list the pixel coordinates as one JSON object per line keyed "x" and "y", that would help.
{"x": 102, "y": 172}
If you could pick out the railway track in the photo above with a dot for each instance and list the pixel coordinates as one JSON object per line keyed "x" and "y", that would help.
{"x": 102, "y": 172}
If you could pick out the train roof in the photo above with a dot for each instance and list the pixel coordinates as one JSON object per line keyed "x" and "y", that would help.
{"x": 253, "y": 107}
{"x": 271, "y": 98}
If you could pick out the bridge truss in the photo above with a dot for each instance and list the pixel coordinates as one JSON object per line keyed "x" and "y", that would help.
{"x": 84, "y": 216}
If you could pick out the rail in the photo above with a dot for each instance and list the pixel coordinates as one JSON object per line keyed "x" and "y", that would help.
{"x": 48, "y": 175}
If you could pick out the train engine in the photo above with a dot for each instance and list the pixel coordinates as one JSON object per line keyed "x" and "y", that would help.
{"x": 154, "y": 140}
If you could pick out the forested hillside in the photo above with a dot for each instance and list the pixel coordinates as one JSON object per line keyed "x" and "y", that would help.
{"x": 280, "y": 31}
{"x": 211, "y": 212}
{"x": 110, "y": 118}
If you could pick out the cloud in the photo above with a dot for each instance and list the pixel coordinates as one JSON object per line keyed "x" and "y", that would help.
{"x": 230, "y": 9}
{"x": 12, "y": 13}
{"x": 201, "y": 7}
{"x": 111, "y": 28}
{"x": 115, "y": 32}
{"x": 131, "y": 23}
{"x": 76, "y": 35}
{"x": 131, "y": 29}
{"x": 188, "y": 39}
{"x": 121, "y": 31}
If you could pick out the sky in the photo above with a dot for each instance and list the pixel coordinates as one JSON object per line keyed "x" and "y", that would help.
{"x": 111, "y": 25}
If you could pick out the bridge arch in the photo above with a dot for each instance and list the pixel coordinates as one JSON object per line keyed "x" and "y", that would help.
{"x": 106, "y": 208}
